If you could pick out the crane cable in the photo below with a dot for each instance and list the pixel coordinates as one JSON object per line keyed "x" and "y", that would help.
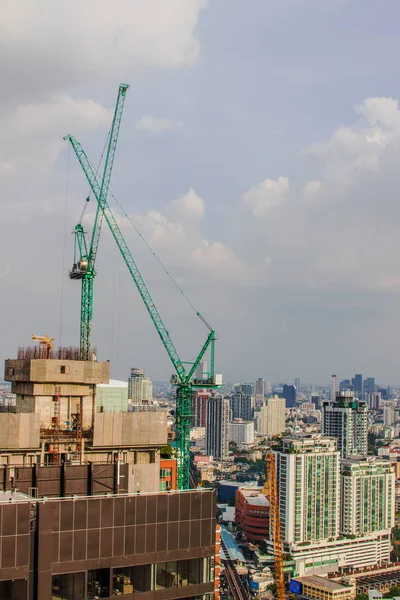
{"x": 198, "y": 314}
{"x": 162, "y": 265}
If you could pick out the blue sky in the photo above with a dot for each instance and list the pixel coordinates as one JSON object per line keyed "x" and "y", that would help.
{"x": 258, "y": 155}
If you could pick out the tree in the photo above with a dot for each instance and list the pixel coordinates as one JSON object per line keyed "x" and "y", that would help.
{"x": 166, "y": 451}
{"x": 361, "y": 597}
{"x": 207, "y": 484}
{"x": 394, "y": 591}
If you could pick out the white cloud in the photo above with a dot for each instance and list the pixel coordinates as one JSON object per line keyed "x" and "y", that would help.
{"x": 268, "y": 195}
{"x": 217, "y": 257}
{"x": 46, "y": 45}
{"x": 157, "y": 125}
{"x": 311, "y": 189}
{"x": 189, "y": 207}
{"x": 354, "y": 151}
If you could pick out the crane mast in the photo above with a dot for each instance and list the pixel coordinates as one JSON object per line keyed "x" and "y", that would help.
{"x": 271, "y": 491}
{"x": 183, "y": 377}
{"x": 84, "y": 257}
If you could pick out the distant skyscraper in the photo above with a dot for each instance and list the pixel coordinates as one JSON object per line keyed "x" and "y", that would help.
{"x": 199, "y": 408}
{"x": 358, "y": 385}
{"x": 346, "y": 419}
{"x": 334, "y": 388}
{"x": 345, "y": 386}
{"x": 242, "y": 402}
{"x": 367, "y": 496}
{"x": 201, "y": 370}
{"x": 140, "y": 389}
{"x": 272, "y": 417}
{"x": 260, "y": 387}
{"x": 389, "y": 416}
{"x": 369, "y": 385}
{"x": 297, "y": 383}
{"x": 316, "y": 400}
{"x": 267, "y": 387}
{"x": 241, "y": 432}
{"x": 217, "y": 428}
{"x": 289, "y": 393}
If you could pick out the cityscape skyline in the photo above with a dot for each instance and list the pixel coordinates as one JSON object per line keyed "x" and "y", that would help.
{"x": 268, "y": 237}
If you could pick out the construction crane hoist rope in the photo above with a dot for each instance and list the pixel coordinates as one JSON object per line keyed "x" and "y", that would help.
{"x": 183, "y": 378}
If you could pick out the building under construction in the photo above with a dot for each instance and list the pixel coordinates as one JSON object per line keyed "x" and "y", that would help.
{"x": 80, "y": 507}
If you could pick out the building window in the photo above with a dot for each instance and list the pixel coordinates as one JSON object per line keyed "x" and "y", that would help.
{"x": 98, "y": 583}
{"x": 130, "y": 580}
{"x": 70, "y": 586}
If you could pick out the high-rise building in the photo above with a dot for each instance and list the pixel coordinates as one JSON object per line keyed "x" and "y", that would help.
{"x": 259, "y": 392}
{"x": 307, "y": 467}
{"x": 217, "y": 427}
{"x": 201, "y": 370}
{"x": 389, "y": 416}
{"x": 297, "y": 384}
{"x": 358, "y": 385}
{"x": 367, "y": 496}
{"x": 140, "y": 388}
{"x": 346, "y": 419}
{"x": 346, "y": 386}
{"x": 369, "y": 385}
{"x": 199, "y": 408}
{"x": 289, "y": 393}
{"x": 241, "y": 432}
{"x": 316, "y": 400}
{"x": 267, "y": 387}
{"x": 242, "y": 405}
{"x": 260, "y": 387}
{"x": 334, "y": 388}
{"x": 373, "y": 400}
{"x": 272, "y": 417}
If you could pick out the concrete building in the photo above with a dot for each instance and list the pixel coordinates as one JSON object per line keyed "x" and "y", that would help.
{"x": 112, "y": 397}
{"x": 241, "y": 432}
{"x": 259, "y": 392}
{"x": 290, "y": 394}
{"x": 107, "y": 546}
{"x": 334, "y": 387}
{"x": 242, "y": 405}
{"x": 201, "y": 371}
{"x": 321, "y": 588}
{"x": 217, "y": 428}
{"x": 346, "y": 419}
{"x": 252, "y": 513}
{"x": 272, "y": 417}
{"x": 367, "y": 496}
{"x": 140, "y": 388}
{"x": 199, "y": 408}
{"x": 390, "y": 416}
{"x": 307, "y": 466}
{"x": 309, "y": 494}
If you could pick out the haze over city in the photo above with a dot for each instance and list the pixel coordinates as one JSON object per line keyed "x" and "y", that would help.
{"x": 258, "y": 157}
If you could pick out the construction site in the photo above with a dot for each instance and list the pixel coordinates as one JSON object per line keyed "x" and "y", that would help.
{"x": 81, "y": 509}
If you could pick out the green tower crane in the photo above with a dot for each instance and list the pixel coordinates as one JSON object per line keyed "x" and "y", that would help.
{"x": 85, "y": 257}
{"x": 183, "y": 377}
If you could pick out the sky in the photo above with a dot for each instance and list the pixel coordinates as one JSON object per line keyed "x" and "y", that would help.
{"x": 258, "y": 157}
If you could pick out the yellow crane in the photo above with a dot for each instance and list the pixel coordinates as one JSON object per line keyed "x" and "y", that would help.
{"x": 46, "y": 344}
{"x": 271, "y": 491}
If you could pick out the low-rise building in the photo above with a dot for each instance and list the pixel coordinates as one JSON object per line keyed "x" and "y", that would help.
{"x": 321, "y": 588}
{"x": 252, "y": 513}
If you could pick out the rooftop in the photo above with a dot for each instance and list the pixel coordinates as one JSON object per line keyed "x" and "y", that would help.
{"x": 233, "y": 549}
{"x": 322, "y": 582}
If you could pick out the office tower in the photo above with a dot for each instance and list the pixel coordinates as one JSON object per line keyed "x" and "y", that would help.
{"x": 199, "y": 408}
{"x": 201, "y": 370}
{"x": 346, "y": 419}
{"x": 367, "y": 496}
{"x": 260, "y": 387}
{"x": 267, "y": 387}
{"x": 217, "y": 441}
{"x": 140, "y": 389}
{"x": 308, "y": 483}
{"x": 334, "y": 388}
{"x": 358, "y": 385}
{"x": 272, "y": 417}
{"x": 369, "y": 385}
{"x": 247, "y": 389}
{"x": 316, "y": 400}
{"x": 259, "y": 392}
{"x": 241, "y": 432}
{"x": 389, "y": 416}
{"x": 346, "y": 386}
{"x": 242, "y": 406}
{"x": 289, "y": 393}
{"x": 297, "y": 383}
{"x": 373, "y": 400}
